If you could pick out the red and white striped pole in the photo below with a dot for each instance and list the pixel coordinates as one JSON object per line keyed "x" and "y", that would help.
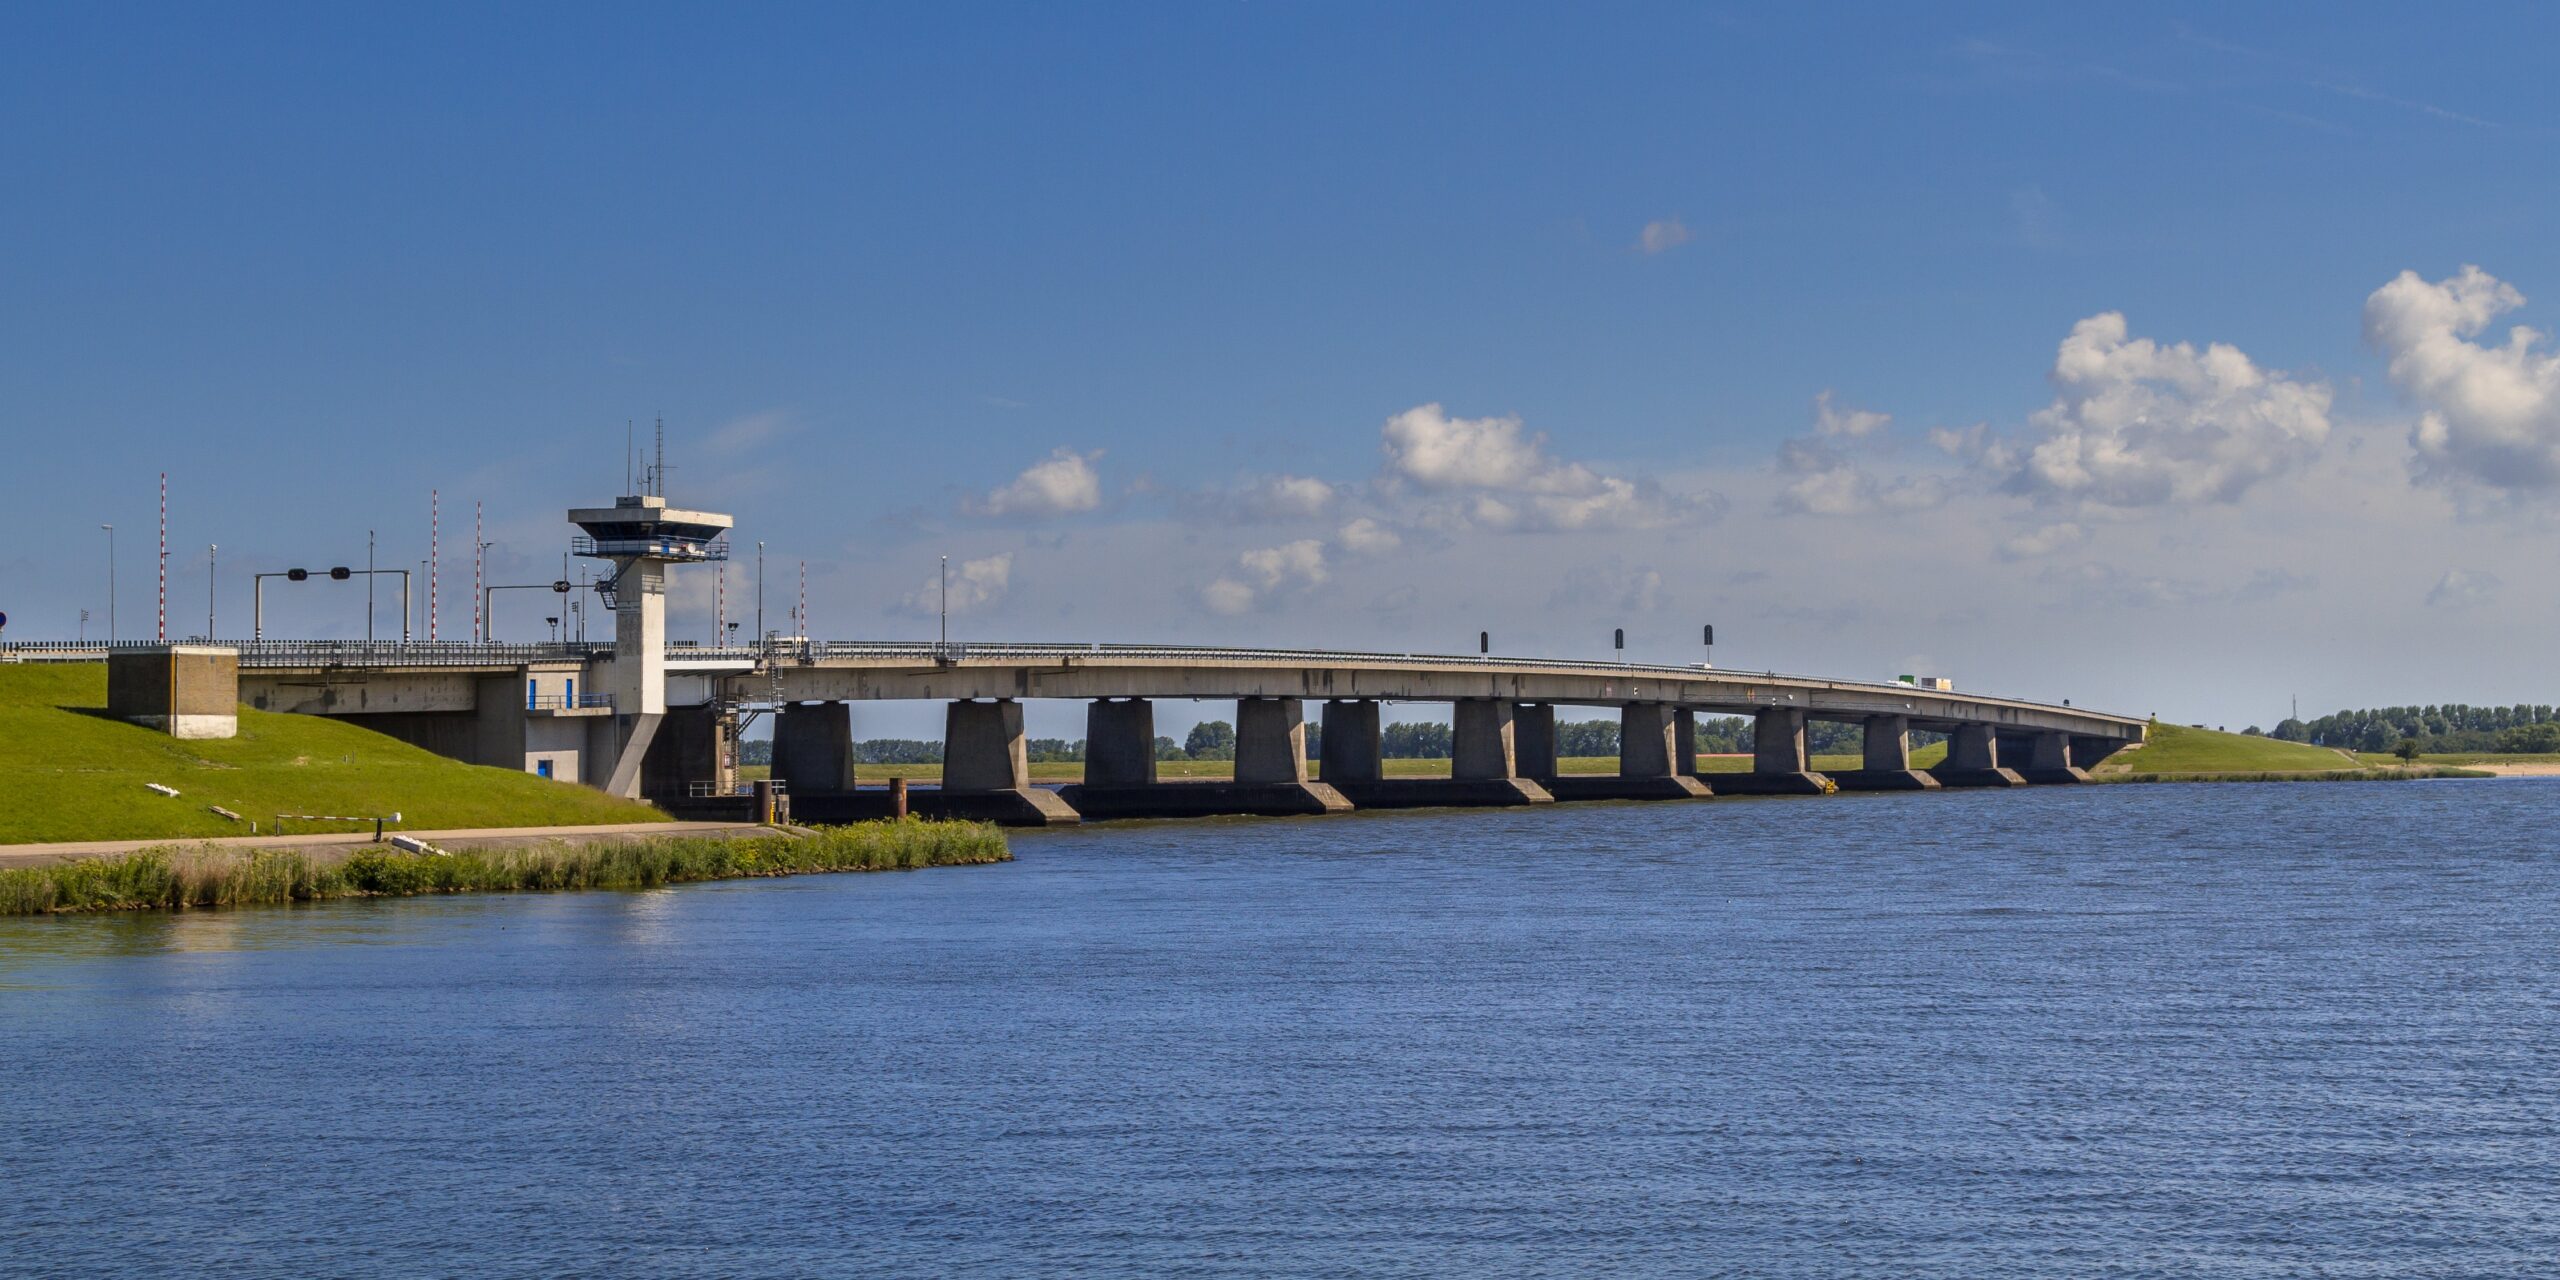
{"x": 720, "y": 618}
{"x": 163, "y": 631}
{"x": 479, "y": 625}
{"x": 804, "y": 599}
{"x": 435, "y": 548}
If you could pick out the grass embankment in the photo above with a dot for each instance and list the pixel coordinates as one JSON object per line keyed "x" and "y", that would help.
{"x": 207, "y": 876}
{"x": 69, "y": 773}
{"x": 1218, "y": 770}
{"x": 2181, "y": 753}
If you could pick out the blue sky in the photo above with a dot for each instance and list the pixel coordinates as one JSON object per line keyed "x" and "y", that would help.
{"x": 877, "y": 267}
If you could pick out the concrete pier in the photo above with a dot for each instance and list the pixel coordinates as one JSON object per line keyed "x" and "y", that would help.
{"x": 2049, "y": 761}
{"x": 1351, "y": 750}
{"x": 986, "y": 769}
{"x": 813, "y": 748}
{"x": 1779, "y": 763}
{"x": 1271, "y": 774}
{"x": 1647, "y": 762}
{"x": 1533, "y": 739}
{"x": 1973, "y": 760}
{"x": 1120, "y": 743}
{"x": 1886, "y": 760}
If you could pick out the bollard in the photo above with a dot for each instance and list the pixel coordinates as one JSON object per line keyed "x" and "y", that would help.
{"x": 897, "y": 798}
{"x": 764, "y": 802}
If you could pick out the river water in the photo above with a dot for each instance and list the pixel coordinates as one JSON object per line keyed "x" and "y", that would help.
{"x": 2103, "y": 1031}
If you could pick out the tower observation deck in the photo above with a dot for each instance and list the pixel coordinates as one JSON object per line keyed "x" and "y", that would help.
{"x": 640, "y": 535}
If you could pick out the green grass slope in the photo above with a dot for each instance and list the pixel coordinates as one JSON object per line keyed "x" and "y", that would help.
{"x": 67, "y": 774}
{"x": 2175, "y": 748}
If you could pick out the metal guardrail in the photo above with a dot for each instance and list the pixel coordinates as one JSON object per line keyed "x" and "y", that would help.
{"x": 569, "y": 702}
{"x": 458, "y": 654}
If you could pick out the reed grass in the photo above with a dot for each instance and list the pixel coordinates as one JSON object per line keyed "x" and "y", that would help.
{"x": 209, "y": 876}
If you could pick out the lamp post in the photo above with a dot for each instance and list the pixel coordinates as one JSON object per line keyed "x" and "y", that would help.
{"x": 111, "y": 582}
{"x": 760, "y": 631}
{"x": 212, "y": 573}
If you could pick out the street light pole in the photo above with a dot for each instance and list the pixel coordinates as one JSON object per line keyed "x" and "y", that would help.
{"x": 212, "y": 573}
{"x": 111, "y": 582}
{"x": 760, "y": 631}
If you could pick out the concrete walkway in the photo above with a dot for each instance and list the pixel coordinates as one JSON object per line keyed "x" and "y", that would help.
{"x": 26, "y": 855}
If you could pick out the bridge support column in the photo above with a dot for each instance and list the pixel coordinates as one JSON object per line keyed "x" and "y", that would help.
{"x": 1886, "y": 765}
{"x": 2049, "y": 760}
{"x": 1533, "y": 736}
{"x": 1351, "y": 747}
{"x": 1684, "y": 742}
{"x": 1120, "y": 743}
{"x": 1271, "y": 741}
{"x": 695, "y": 747}
{"x": 813, "y": 748}
{"x": 1271, "y": 767}
{"x": 986, "y": 770}
{"x": 1779, "y": 763}
{"x": 1481, "y": 741}
{"x": 1973, "y": 760}
{"x": 1648, "y": 762}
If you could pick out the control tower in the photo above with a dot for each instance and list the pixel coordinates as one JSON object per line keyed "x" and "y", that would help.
{"x": 640, "y": 535}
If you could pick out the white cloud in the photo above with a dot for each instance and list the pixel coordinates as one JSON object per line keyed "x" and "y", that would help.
{"x": 2463, "y": 589}
{"x": 1662, "y": 235}
{"x": 974, "y": 585}
{"x": 1831, "y": 421}
{"x": 1282, "y": 497}
{"x": 1267, "y": 571}
{"x": 1824, "y": 479}
{"x": 2491, "y": 414}
{"x": 1364, "y": 536}
{"x": 1062, "y": 484}
{"x": 1504, "y": 478}
{"x": 2137, "y": 424}
{"x": 2043, "y": 541}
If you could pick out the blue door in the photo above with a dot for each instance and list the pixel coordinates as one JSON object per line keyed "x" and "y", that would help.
{"x": 542, "y": 767}
{"x": 529, "y": 699}
{"x": 569, "y": 692}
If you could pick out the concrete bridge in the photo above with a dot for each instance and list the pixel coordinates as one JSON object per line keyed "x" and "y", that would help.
{"x": 544, "y": 708}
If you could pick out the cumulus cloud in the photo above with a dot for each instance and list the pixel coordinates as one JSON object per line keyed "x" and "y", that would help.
{"x": 2491, "y": 414}
{"x": 1265, "y": 498}
{"x": 975, "y": 584}
{"x": 1501, "y": 477}
{"x": 1061, "y": 484}
{"x": 1823, "y": 478}
{"x": 1364, "y": 536}
{"x": 1266, "y": 572}
{"x": 2463, "y": 589}
{"x": 1662, "y": 236}
{"x": 2138, "y": 424}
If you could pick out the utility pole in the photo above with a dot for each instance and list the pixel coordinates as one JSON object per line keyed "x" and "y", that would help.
{"x": 161, "y": 636}
{"x": 111, "y": 582}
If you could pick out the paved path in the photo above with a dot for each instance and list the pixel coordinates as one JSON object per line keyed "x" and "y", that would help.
{"x": 22, "y": 855}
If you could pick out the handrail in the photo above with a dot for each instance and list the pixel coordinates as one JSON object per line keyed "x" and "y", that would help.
{"x": 335, "y": 653}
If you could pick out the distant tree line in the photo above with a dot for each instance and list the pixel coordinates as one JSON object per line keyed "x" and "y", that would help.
{"x": 2524, "y": 727}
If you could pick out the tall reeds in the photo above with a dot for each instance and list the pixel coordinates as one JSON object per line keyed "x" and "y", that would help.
{"x": 207, "y": 876}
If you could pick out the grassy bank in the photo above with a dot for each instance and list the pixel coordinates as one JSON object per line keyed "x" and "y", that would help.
{"x": 69, "y": 773}
{"x": 206, "y": 876}
{"x": 2182, "y": 753}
